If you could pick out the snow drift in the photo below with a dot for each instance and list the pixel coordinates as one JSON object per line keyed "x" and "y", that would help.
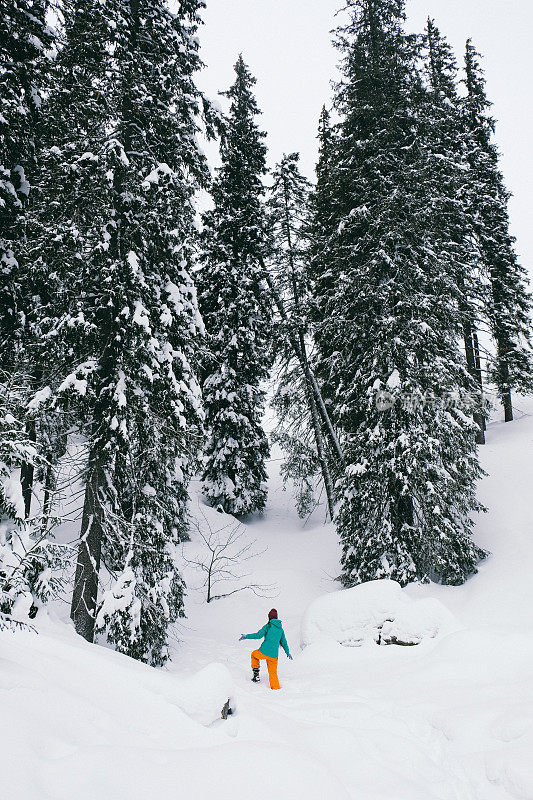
{"x": 378, "y": 611}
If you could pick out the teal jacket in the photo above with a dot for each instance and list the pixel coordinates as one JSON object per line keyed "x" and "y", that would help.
{"x": 274, "y": 637}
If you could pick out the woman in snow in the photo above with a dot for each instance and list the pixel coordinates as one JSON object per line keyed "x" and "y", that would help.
{"x": 274, "y": 637}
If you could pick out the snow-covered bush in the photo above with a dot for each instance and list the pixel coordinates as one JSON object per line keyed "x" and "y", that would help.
{"x": 376, "y": 611}
{"x": 31, "y": 565}
{"x": 32, "y": 570}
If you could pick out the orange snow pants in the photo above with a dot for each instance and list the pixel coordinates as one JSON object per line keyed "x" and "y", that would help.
{"x": 272, "y": 666}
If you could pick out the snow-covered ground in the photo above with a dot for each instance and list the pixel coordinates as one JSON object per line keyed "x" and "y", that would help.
{"x": 450, "y": 718}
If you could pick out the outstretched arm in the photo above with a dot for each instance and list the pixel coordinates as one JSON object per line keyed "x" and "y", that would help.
{"x": 258, "y": 635}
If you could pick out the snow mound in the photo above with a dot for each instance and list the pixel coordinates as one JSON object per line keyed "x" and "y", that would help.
{"x": 377, "y": 611}
{"x": 203, "y": 695}
{"x": 513, "y": 771}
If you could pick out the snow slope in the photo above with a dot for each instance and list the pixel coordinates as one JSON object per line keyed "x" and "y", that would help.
{"x": 448, "y": 719}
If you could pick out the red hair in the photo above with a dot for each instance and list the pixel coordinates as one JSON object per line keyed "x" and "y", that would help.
{"x": 272, "y": 614}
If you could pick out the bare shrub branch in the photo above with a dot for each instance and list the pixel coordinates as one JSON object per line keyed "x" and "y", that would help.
{"x": 220, "y": 561}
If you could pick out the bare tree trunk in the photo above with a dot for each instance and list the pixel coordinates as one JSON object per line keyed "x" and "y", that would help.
{"x": 469, "y": 332}
{"x": 47, "y": 497}
{"x": 85, "y": 594}
{"x": 505, "y": 386}
{"x": 477, "y": 361}
{"x": 27, "y": 471}
{"x": 506, "y": 390}
{"x": 502, "y": 365}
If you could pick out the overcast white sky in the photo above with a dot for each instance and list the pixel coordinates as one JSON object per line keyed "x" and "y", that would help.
{"x": 287, "y": 45}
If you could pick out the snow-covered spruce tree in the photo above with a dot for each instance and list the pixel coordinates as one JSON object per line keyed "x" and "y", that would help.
{"x": 409, "y": 488}
{"x": 66, "y": 236}
{"x": 507, "y": 303}
{"x": 448, "y": 184}
{"x": 72, "y": 200}
{"x": 323, "y": 224}
{"x": 70, "y": 208}
{"x": 287, "y": 207}
{"x": 24, "y": 40}
{"x": 15, "y": 450}
{"x": 236, "y": 312}
{"x": 300, "y": 428}
{"x": 32, "y": 566}
{"x": 138, "y": 337}
{"x": 24, "y": 36}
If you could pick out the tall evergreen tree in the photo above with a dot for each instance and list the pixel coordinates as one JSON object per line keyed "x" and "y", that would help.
{"x": 409, "y": 488}
{"x": 446, "y": 142}
{"x": 128, "y": 117}
{"x": 24, "y": 41}
{"x": 236, "y": 311}
{"x": 68, "y": 236}
{"x": 30, "y": 562}
{"x": 287, "y": 208}
{"x": 324, "y": 221}
{"x": 24, "y": 37}
{"x": 154, "y": 414}
{"x": 508, "y": 303}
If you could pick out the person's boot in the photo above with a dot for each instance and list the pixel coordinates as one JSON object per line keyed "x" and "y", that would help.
{"x": 255, "y": 678}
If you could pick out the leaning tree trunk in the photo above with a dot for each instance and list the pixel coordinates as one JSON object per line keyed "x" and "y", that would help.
{"x": 311, "y": 391}
{"x": 316, "y": 403}
{"x": 326, "y": 418}
{"x": 324, "y": 466}
{"x": 295, "y": 345}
